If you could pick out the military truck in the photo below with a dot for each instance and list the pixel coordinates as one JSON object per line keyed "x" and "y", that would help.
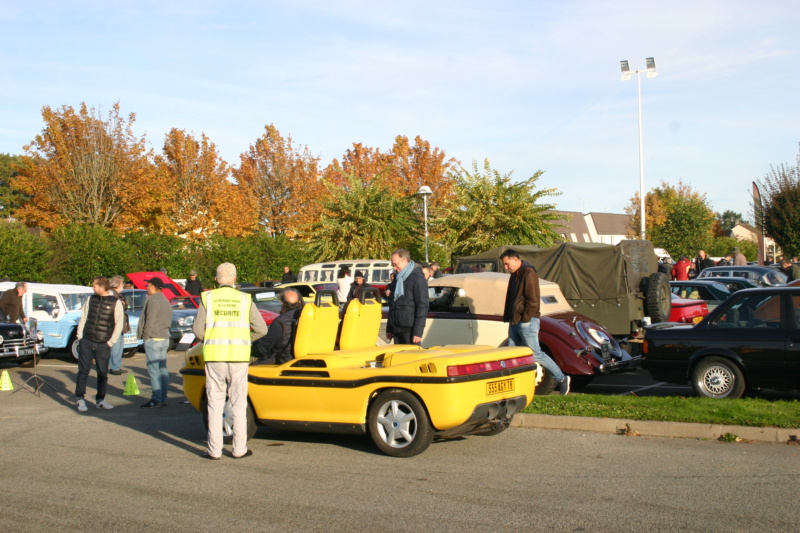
{"x": 618, "y": 286}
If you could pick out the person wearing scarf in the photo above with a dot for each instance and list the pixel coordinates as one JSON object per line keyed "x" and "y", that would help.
{"x": 408, "y": 309}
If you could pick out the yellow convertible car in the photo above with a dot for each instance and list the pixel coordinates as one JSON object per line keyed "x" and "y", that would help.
{"x": 401, "y": 395}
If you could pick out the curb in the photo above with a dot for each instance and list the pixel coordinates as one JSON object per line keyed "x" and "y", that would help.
{"x": 654, "y": 429}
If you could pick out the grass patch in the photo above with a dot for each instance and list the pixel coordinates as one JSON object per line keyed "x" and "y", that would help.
{"x": 756, "y": 412}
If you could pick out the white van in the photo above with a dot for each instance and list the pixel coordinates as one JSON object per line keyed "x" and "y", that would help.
{"x": 376, "y": 271}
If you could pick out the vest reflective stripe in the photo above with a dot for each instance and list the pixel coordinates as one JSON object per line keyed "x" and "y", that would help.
{"x": 227, "y": 335}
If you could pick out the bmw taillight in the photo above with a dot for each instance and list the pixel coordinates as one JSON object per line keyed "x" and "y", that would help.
{"x": 489, "y": 366}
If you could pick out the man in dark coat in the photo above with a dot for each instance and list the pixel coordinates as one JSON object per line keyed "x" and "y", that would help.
{"x": 277, "y": 346}
{"x": 522, "y": 313}
{"x": 288, "y": 277}
{"x": 357, "y": 286}
{"x": 193, "y": 285}
{"x": 408, "y": 309}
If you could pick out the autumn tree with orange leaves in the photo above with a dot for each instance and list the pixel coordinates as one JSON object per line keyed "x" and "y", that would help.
{"x": 200, "y": 200}
{"x": 80, "y": 167}
{"x": 283, "y": 182}
{"x": 402, "y": 170}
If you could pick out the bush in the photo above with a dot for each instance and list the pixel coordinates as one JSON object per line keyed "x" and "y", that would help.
{"x": 80, "y": 252}
{"x": 23, "y": 257}
{"x": 154, "y": 252}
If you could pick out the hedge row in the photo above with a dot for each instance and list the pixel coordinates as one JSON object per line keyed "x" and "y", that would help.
{"x": 78, "y": 253}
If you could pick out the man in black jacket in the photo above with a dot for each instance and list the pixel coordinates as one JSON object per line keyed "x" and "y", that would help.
{"x": 277, "y": 346}
{"x": 101, "y": 323}
{"x": 288, "y": 277}
{"x": 193, "y": 285}
{"x": 408, "y": 308}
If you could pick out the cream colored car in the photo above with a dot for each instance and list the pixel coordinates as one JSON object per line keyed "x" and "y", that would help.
{"x": 468, "y": 309}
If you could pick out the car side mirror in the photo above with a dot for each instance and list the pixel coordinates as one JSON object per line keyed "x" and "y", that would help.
{"x": 54, "y": 313}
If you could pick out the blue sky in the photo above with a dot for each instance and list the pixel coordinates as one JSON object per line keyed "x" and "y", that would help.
{"x": 530, "y": 85}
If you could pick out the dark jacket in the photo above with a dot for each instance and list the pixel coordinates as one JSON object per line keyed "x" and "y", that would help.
{"x": 355, "y": 290}
{"x": 288, "y": 277}
{"x": 194, "y": 286}
{"x": 702, "y": 264}
{"x": 409, "y": 311}
{"x": 522, "y": 295}
{"x": 793, "y": 273}
{"x": 99, "y": 326}
{"x": 277, "y": 346}
{"x": 11, "y": 305}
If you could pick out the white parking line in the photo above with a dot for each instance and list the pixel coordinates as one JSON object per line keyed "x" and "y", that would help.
{"x": 634, "y": 391}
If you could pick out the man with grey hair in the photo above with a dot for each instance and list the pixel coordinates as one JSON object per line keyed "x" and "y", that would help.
{"x": 227, "y": 322}
{"x": 408, "y": 309}
{"x": 115, "y": 363}
{"x": 11, "y": 303}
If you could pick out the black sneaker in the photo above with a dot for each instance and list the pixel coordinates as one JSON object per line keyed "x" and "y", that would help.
{"x": 151, "y": 404}
{"x": 117, "y": 372}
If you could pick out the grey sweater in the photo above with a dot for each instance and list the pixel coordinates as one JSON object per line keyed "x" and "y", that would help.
{"x": 156, "y": 317}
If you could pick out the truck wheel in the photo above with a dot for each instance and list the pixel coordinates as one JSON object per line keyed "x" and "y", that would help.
{"x": 398, "y": 424}
{"x": 717, "y": 377}
{"x": 658, "y": 299}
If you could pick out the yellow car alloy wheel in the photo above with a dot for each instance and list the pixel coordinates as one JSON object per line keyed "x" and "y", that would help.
{"x": 399, "y": 424}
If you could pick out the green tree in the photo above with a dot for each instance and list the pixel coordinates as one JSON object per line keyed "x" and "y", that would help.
{"x": 490, "y": 210}
{"x": 80, "y": 252}
{"x": 363, "y": 220}
{"x": 728, "y": 219}
{"x": 779, "y": 215}
{"x": 10, "y": 199}
{"x": 23, "y": 257}
{"x": 679, "y": 219}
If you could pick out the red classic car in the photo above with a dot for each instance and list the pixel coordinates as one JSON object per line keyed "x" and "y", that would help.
{"x": 687, "y": 311}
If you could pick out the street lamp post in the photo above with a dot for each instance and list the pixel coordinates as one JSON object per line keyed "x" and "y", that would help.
{"x": 626, "y": 75}
{"x": 425, "y": 191}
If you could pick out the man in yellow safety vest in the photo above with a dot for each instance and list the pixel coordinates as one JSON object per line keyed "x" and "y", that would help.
{"x": 227, "y": 322}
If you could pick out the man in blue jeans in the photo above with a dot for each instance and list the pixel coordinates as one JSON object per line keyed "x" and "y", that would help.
{"x": 154, "y": 325}
{"x": 522, "y": 313}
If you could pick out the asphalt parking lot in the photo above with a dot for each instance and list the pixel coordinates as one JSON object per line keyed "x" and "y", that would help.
{"x": 136, "y": 470}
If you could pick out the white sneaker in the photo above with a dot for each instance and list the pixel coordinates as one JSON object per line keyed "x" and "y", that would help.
{"x": 102, "y": 404}
{"x": 563, "y": 387}
{"x": 82, "y": 405}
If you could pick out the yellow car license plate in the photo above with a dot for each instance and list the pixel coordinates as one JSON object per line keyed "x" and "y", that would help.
{"x": 496, "y": 387}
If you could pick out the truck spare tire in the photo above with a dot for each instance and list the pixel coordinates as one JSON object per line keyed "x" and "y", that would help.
{"x": 658, "y": 300}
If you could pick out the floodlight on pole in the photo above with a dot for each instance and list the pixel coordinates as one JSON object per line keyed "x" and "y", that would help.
{"x": 651, "y": 72}
{"x": 425, "y": 191}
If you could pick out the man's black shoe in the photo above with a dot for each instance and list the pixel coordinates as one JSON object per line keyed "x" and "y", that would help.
{"x": 117, "y": 372}
{"x": 151, "y": 404}
{"x": 209, "y": 456}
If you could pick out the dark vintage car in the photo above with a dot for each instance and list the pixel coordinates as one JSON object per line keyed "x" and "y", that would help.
{"x": 764, "y": 276}
{"x": 734, "y": 283}
{"x": 20, "y": 344}
{"x": 750, "y": 342}
{"x": 712, "y": 292}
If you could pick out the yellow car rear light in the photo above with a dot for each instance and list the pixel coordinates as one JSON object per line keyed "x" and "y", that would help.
{"x": 489, "y": 366}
